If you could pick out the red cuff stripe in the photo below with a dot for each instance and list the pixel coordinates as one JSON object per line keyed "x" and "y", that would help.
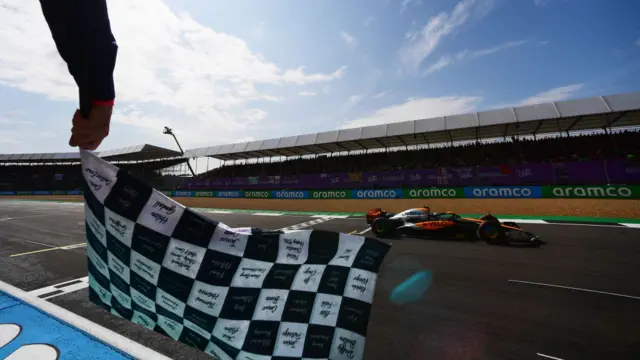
{"x": 103, "y": 102}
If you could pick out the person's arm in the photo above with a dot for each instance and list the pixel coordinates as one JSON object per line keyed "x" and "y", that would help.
{"x": 82, "y": 33}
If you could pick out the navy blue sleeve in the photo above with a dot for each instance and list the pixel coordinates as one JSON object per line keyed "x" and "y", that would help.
{"x": 82, "y": 33}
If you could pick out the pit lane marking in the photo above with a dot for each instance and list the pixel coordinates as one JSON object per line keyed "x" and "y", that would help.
{"x": 576, "y": 288}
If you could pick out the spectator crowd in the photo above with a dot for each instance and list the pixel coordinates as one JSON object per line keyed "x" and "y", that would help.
{"x": 67, "y": 177}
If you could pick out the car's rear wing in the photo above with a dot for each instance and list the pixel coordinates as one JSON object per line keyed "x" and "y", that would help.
{"x": 373, "y": 214}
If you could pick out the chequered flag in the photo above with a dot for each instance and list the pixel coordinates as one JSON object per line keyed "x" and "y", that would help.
{"x": 232, "y": 293}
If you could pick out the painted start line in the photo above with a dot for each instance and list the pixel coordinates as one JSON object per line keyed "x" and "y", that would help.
{"x": 34, "y": 329}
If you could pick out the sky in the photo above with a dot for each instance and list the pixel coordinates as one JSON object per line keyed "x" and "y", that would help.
{"x": 220, "y": 72}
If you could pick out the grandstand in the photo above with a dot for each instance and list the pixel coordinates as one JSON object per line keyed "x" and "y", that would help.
{"x": 503, "y": 138}
{"x": 60, "y": 171}
{"x": 591, "y": 135}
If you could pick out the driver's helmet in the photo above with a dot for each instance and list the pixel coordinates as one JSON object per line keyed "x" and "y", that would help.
{"x": 428, "y": 209}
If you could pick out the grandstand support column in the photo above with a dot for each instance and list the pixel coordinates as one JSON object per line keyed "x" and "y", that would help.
{"x": 168, "y": 131}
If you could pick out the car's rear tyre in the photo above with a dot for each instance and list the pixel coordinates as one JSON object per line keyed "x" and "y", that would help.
{"x": 385, "y": 228}
{"x": 492, "y": 233}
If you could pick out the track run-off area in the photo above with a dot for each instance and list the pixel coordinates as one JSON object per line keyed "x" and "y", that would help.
{"x": 577, "y": 297}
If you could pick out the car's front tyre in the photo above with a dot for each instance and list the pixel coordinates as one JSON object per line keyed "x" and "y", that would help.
{"x": 492, "y": 233}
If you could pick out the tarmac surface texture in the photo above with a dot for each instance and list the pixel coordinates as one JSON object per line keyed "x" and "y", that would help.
{"x": 575, "y": 298}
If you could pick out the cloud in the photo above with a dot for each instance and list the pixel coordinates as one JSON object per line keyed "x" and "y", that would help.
{"x": 405, "y": 4}
{"x": 10, "y": 137}
{"x": 307, "y": 93}
{"x": 425, "y": 108}
{"x": 4, "y": 121}
{"x": 47, "y": 134}
{"x": 12, "y": 114}
{"x": 542, "y": 3}
{"x": 447, "y": 60}
{"x": 207, "y": 79}
{"x": 638, "y": 42}
{"x": 258, "y": 31}
{"x": 381, "y": 94}
{"x": 367, "y": 21}
{"x": 349, "y": 39}
{"x": 421, "y": 44}
{"x": 546, "y": 3}
{"x": 354, "y": 99}
{"x": 326, "y": 89}
{"x": 489, "y": 51}
{"x": 415, "y": 109}
{"x": 14, "y": 118}
{"x": 439, "y": 65}
{"x": 556, "y": 94}
{"x": 298, "y": 76}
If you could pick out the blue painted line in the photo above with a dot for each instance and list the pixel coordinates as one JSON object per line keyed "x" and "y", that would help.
{"x": 45, "y": 337}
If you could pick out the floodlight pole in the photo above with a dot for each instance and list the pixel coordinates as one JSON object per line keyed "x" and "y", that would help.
{"x": 168, "y": 131}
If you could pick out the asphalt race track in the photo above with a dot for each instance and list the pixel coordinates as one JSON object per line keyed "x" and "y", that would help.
{"x": 485, "y": 302}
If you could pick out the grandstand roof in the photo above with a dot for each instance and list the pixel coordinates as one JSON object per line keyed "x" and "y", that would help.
{"x": 132, "y": 153}
{"x": 572, "y": 115}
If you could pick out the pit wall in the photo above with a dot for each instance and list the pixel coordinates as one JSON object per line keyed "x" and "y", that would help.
{"x": 584, "y": 201}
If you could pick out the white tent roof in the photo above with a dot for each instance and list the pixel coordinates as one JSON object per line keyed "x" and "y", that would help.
{"x": 571, "y": 115}
{"x": 132, "y": 153}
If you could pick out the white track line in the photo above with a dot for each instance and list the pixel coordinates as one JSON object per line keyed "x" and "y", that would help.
{"x": 304, "y": 224}
{"x": 575, "y": 288}
{"x": 364, "y": 231}
{"x": 34, "y": 216}
{"x": 524, "y": 221}
{"x": 589, "y": 225}
{"x": 126, "y": 345}
{"x": 637, "y": 226}
{"x": 549, "y": 356}
{"x": 66, "y": 247}
{"x": 38, "y": 243}
{"x": 267, "y": 214}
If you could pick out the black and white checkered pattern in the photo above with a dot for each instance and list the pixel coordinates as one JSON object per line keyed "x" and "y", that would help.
{"x": 234, "y": 294}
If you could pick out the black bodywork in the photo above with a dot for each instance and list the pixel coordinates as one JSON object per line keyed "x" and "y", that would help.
{"x": 449, "y": 226}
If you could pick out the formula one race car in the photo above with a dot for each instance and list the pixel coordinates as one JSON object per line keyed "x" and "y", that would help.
{"x": 422, "y": 223}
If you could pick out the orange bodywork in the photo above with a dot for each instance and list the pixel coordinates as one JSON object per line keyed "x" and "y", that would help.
{"x": 471, "y": 219}
{"x": 511, "y": 227}
{"x": 435, "y": 225}
{"x": 373, "y": 214}
{"x": 504, "y": 226}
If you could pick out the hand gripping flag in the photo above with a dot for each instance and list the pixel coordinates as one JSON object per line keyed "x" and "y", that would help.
{"x": 232, "y": 293}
